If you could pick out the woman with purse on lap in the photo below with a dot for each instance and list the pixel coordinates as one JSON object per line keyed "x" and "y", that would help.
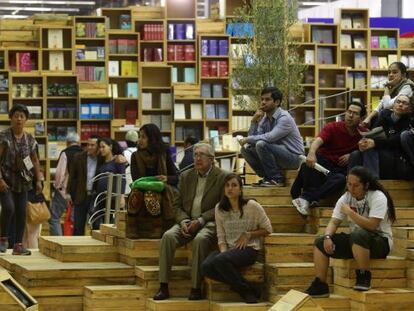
{"x": 153, "y": 158}
{"x": 19, "y": 165}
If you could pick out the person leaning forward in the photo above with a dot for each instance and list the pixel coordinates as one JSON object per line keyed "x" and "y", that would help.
{"x": 200, "y": 189}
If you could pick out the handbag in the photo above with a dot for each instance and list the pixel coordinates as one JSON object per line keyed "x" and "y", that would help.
{"x": 152, "y": 202}
{"x": 68, "y": 224}
{"x": 148, "y": 183}
{"x": 37, "y": 212}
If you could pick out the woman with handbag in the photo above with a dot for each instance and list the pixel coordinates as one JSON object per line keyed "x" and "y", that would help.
{"x": 153, "y": 158}
{"x": 19, "y": 165}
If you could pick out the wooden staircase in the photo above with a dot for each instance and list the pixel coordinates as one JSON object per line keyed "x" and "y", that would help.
{"x": 107, "y": 271}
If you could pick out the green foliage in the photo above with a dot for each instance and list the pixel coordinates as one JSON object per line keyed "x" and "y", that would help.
{"x": 269, "y": 57}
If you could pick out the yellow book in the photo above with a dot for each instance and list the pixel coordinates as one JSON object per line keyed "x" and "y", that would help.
{"x": 126, "y": 68}
{"x": 392, "y": 58}
{"x": 134, "y": 69}
{"x": 383, "y": 63}
{"x": 375, "y": 100}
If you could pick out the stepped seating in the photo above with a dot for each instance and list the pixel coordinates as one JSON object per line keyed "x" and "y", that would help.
{"x": 289, "y": 247}
{"x": 237, "y": 306}
{"x": 114, "y": 297}
{"x": 178, "y": 304}
{"x": 77, "y": 249}
{"x": 333, "y": 303}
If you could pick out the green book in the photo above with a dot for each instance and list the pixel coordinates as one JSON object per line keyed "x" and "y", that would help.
{"x": 383, "y": 42}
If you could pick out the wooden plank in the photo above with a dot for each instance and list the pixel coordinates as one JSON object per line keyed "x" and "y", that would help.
{"x": 391, "y": 262}
{"x": 177, "y": 304}
{"x": 151, "y": 272}
{"x": 386, "y": 295}
{"x": 237, "y": 306}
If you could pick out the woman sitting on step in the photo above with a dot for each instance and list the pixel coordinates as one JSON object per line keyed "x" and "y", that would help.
{"x": 370, "y": 211}
{"x": 240, "y": 225}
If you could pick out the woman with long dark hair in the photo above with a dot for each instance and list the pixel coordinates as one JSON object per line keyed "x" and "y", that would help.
{"x": 370, "y": 212}
{"x": 153, "y": 158}
{"x": 240, "y": 226}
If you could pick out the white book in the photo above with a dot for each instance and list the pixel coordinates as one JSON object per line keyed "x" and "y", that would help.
{"x": 225, "y": 164}
{"x": 165, "y": 122}
{"x": 179, "y": 111}
{"x": 113, "y": 68}
{"x": 145, "y": 119}
{"x": 55, "y": 38}
{"x": 146, "y": 100}
{"x": 196, "y": 111}
{"x": 166, "y": 100}
{"x": 56, "y": 61}
{"x": 227, "y": 141}
{"x": 115, "y": 90}
{"x": 309, "y": 58}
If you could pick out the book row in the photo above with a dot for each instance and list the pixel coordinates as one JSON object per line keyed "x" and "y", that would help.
{"x": 180, "y": 31}
{"x": 90, "y": 73}
{"x": 163, "y": 121}
{"x": 152, "y": 32}
{"x": 89, "y": 52}
{"x": 123, "y": 68}
{"x": 214, "y": 47}
{"x": 90, "y": 30}
{"x": 24, "y": 90}
{"x": 88, "y": 130}
{"x": 152, "y": 55}
{"x": 382, "y": 62}
{"x": 130, "y": 90}
{"x": 59, "y": 133}
{"x": 148, "y": 101}
{"x": 122, "y": 46}
{"x": 95, "y": 111}
{"x": 349, "y": 21}
{"x": 180, "y": 52}
{"x": 383, "y": 42}
{"x": 213, "y": 68}
{"x": 61, "y": 111}
{"x": 240, "y": 30}
{"x": 212, "y": 90}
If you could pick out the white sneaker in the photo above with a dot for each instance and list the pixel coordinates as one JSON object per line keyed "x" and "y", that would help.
{"x": 302, "y": 206}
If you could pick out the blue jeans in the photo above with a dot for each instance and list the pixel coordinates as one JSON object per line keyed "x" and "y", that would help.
{"x": 268, "y": 160}
{"x": 57, "y": 208}
{"x": 13, "y": 206}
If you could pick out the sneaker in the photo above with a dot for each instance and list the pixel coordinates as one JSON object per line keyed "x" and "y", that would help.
{"x": 272, "y": 183}
{"x": 318, "y": 289}
{"x": 363, "y": 280}
{"x": 18, "y": 249}
{"x": 4, "y": 243}
{"x": 302, "y": 206}
{"x": 258, "y": 183}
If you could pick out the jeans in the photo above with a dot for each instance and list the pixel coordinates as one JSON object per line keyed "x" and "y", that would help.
{"x": 268, "y": 160}
{"x": 224, "y": 267}
{"x": 13, "y": 206}
{"x": 312, "y": 185}
{"x": 81, "y": 213}
{"x": 57, "y": 208}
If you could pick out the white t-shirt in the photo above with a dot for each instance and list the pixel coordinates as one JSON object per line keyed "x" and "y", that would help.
{"x": 374, "y": 205}
{"x": 127, "y": 154}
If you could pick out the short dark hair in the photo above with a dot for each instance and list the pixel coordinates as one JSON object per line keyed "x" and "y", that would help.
{"x": 191, "y": 140}
{"x": 363, "y": 111}
{"x": 19, "y": 108}
{"x": 274, "y": 91}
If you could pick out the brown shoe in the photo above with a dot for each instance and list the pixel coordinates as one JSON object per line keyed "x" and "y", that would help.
{"x": 163, "y": 293}
{"x": 195, "y": 294}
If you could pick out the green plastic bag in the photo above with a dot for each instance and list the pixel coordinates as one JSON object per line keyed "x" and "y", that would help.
{"x": 148, "y": 183}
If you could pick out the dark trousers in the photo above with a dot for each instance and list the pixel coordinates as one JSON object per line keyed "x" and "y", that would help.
{"x": 224, "y": 267}
{"x": 407, "y": 144}
{"x": 13, "y": 205}
{"x": 81, "y": 213}
{"x": 313, "y": 185}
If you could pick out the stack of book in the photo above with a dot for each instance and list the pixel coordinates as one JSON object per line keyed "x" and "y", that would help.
{"x": 152, "y": 32}
{"x": 212, "y": 90}
{"x": 122, "y": 46}
{"x": 180, "y": 31}
{"x": 180, "y": 52}
{"x": 152, "y": 55}
{"x": 95, "y": 129}
{"x": 383, "y": 42}
{"x": 214, "y": 68}
{"x": 90, "y": 73}
{"x": 213, "y": 47}
{"x": 90, "y": 30}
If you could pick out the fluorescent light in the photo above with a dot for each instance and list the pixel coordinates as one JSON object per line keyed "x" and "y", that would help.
{"x": 13, "y": 16}
{"x": 38, "y": 9}
{"x": 48, "y": 2}
{"x": 312, "y": 3}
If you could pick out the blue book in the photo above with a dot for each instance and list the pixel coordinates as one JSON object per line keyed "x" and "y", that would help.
{"x": 189, "y": 75}
{"x": 392, "y": 43}
{"x": 223, "y": 47}
{"x": 131, "y": 90}
{"x": 229, "y": 29}
{"x": 212, "y": 47}
{"x": 210, "y": 111}
{"x": 221, "y": 112}
{"x": 174, "y": 74}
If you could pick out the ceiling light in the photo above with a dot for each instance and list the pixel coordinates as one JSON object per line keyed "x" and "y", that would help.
{"x": 48, "y": 2}
{"x": 38, "y": 9}
{"x": 312, "y": 3}
{"x": 13, "y": 16}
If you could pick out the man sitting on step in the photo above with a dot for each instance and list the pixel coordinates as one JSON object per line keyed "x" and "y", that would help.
{"x": 274, "y": 142}
{"x": 200, "y": 189}
{"x": 331, "y": 149}
{"x": 370, "y": 212}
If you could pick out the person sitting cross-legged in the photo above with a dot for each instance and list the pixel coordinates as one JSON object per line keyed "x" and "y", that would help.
{"x": 273, "y": 142}
{"x": 370, "y": 212}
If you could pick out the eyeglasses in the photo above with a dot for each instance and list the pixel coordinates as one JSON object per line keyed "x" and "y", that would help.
{"x": 201, "y": 155}
{"x": 405, "y": 103}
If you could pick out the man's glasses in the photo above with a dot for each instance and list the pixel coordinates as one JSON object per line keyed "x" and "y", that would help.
{"x": 201, "y": 155}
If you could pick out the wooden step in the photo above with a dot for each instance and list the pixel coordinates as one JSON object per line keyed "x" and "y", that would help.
{"x": 111, "y": 229}
{"x": 238, "y": 306}
{"x": 114, "y": 297}
{"x": 289, "y": 247}
{"x": 386, "y": 273}
{"x": 385, "y": 299}
{"x": 147, "y": 252}
{"x": 9, "y": 261}
{"x": 218, "y": 291}
{"x": 177, "y": 304}
{"x": 333, "y": 303}
{"x": 285, "y": 218}
{"x": 180, "y": 285}
{"x": 410, "y": 268}
{"x": 98, "y": 235}
{"x": 282, "y": 277}
{"x": 77, "y": 249}
{"x": 403, "y": 239}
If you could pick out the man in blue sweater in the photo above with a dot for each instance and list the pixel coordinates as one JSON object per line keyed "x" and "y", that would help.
{"x": 273, "y": 142}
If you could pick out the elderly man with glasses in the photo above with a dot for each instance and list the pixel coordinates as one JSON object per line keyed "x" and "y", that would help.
{"x": 200, "y": 189}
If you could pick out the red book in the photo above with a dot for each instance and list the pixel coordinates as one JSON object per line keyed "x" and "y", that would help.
{"x": 152, "y": 32}
{"x": 189, "y": 52}
{"x": 131, "y": 115}
{"x": 157, "y": 55}
{"x": 171, "y": 52}
{"x": 205, "y": 68}
{"x": 223, "y": 68}
{"x": 148, "y": 54}
{"x": 161, "y": 32}
{"x": 25, "y": 62}
{"x": 179, "y": 52}
{"x": 213, "y": 68}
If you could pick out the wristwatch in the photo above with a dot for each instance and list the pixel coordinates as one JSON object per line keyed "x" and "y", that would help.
{"x": 326, "y": 237}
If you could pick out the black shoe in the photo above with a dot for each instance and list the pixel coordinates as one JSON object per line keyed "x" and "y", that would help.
{"x": 249, "y": 297}
{"x": 363, "y": 280}
{"x": 318, "y": 289}
{"x": 258, "y": 183}
{"x": 195, "y": 294}
{"x": 272, "y": 183}
{"x": 163, "y": 293}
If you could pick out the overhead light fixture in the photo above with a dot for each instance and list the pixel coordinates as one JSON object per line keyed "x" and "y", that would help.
{"x": 13, "y": 16}
{"x": 38, "y": 9}
{"x": 48, "y": 2}
{"x": 312, "y": 3}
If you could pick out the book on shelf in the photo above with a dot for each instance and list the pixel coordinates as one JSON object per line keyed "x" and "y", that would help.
{"x": 91, "y": 54}
{"x": 346, "y": 41}
{"x": 325, "y": 55}
{"x": 392, "y": 43}
{"x": 100, "y": 51}
{"x": 131, "y": 46}
{"x": 4, "y": 109}
{"x": 125, "y": 21}
{"x": 374, "y": 42}
{"x": 340, "y": 80}
{"x": 359, "y": 80}
{"x": 206, "y": 90}
{"x": 156, "y": 119}
{"x": 80, "y": 29}
{"x": 113, "y": 68}
{"x": 210, "y": 111}
{"x": 214, "y": 138}
{"x": 360, "y": 60}
{"x": 55, "y": 38}
{"x": 383, "y": 63}
{"x": 359, "y": 42}
{"x": 147, "y": 101}
{"x": 196, "y": 111}
{"x": 100, "y": 30}
{"x": 122, "y": 46}
{"x": 25, "y": 61}
{"x": 145, "y": 119}
{"x": 358, "y": 21}
{"x": 174, "y": 75}
{"x": 41, "y": 148}
{"x": 322, "y": 35}
{"x": 179, "y": 111}
{"x": 126, "y": 68}
{"x": 80, "y": 51}
{"x": 99, "y": 73}
{"x": 375, "y": 101}
{"x": 350, "y": 80}
{"x": 392, "y": 58}
{"x": 113, "y": 46}
{"x": 309, "y": 57}
{"x": 403, "y": 59}
{"x": 4, "y": 82}
{"x": 375, "y": 62}
{"x": 217, "y": 89}
{"x": 346, "y": 21}
{"x": 189, "y": 75}
{"x": 131, "y": 89}
{"x": 113, "y": 90}
{"x": 166, "y": 122}
{"x": 213, "y": 48}
{"x": 383, "y": 42}
{"x": 165, "y": 100}
{"x": 226, "y": 164}
{"x": 39, "y": 128}
{"x": 61, "y": 133}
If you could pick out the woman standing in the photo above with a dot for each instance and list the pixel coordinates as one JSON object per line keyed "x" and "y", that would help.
{"x": 240, "y": 225}
{"x": 19, "y": 164}
{"x": 153, "y": 158}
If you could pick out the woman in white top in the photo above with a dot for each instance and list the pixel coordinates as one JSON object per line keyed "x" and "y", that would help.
{"x": 240, "y": 225}
{"x": 370, "y": 211}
